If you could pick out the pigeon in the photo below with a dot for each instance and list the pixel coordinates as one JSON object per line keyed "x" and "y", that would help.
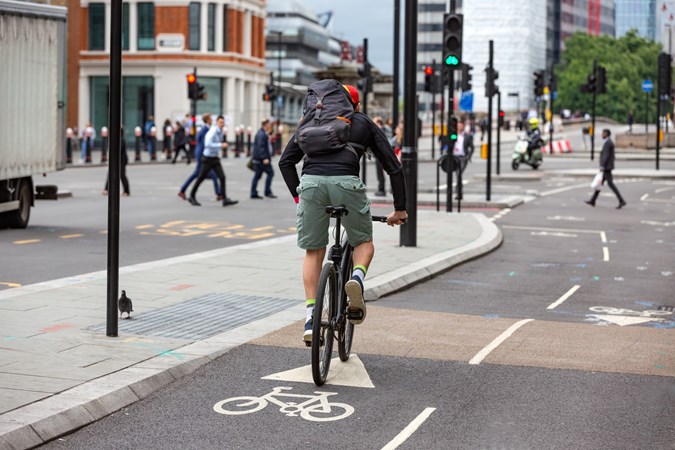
{"x": 124, "y": 305}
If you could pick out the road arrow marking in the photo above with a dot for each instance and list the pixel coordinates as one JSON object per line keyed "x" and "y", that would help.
{"x": 622, "y": 321}
{"x": 349, "y": 373}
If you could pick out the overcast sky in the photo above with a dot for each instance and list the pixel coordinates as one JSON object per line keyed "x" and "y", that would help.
{"x": 355, "y": 20}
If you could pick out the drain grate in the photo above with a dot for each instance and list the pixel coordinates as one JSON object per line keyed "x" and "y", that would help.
{"x": 201, "y": 317}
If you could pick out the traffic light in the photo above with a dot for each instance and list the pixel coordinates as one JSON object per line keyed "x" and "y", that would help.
{"x": 192, "y": 86}
{"x": 491, "y": 75}
{"x": 539, "y": 83}
{"x": 452, "y": 130}
{"x": 601, "y": 80}
{"x": 452, "y": 39}
{"x": 269, "y": 94}
{"x": 466, "y": 77}
{"x": 201, "y": 92}
{"x": 665, "y": 75}
{"x": 428, "y": 78}
{"x": 365, "y": 82}
{"x": 500, "y": 119}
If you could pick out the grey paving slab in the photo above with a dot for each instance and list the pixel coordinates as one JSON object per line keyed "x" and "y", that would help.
{"x": 25, "y": 382}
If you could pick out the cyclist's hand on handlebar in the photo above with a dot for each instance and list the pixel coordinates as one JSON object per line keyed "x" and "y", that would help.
{"x": 396, "y": 218}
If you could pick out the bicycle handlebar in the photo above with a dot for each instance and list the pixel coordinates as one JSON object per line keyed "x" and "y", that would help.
{"x": 382, "y": 219}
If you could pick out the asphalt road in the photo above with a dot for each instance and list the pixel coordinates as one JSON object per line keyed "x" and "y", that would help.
{"x": 584, "y": 367}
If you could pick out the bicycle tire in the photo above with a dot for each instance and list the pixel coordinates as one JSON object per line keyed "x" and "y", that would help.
{"x": 323, "y": 322}
{"x": 315, "y": 413}
{"x": 346, "y": 328}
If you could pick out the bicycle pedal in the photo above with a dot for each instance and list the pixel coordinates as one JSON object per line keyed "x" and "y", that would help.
{"x": 355, "y": 314}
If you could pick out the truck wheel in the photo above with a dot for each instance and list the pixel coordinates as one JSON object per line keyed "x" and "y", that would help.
{"x": 19, "y": 218}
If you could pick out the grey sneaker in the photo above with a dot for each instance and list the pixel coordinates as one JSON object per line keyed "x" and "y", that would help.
{"x": 356, "y": 310}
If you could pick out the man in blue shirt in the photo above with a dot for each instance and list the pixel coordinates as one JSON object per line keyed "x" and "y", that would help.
{"x": 213, "y": 144}
{"x": 262, "y": 158}
{"x": 198, "y": 157}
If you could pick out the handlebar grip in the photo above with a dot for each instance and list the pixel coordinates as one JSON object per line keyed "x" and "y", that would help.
{"x": 383, "y": 219}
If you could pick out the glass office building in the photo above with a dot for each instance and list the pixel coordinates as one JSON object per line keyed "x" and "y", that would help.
{"x": 636, "y": 14}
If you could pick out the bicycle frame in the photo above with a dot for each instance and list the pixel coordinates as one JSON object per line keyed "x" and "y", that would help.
{"x": 340, "y": 254}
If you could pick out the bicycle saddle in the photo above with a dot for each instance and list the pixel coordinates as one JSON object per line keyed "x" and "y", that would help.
{"x": 337, "y": 211}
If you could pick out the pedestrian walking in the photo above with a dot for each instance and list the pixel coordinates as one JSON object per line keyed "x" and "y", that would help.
{"x": 606, "y": 167}
{"x": 213, "y": 144}
{"x": 147, "y": 129}
{"x": 123, "y": 169}
{"x": 198, "y": 156}
{"x": 88, "y": 136}
{"x": 180, "y": 143}
{"x": 262, "y": 160}
{"x": 167, "y": 131}
{"x": 630, "y": 122}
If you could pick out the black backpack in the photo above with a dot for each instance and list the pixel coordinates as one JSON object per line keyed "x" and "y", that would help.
{"x": 326, "y": 122}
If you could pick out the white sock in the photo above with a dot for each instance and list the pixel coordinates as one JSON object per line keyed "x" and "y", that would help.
{"x": 310, "y": 312}
{"x": 359, "y": 273}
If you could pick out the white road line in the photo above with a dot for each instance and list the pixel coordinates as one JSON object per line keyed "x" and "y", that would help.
{"x": 605, "y": 254}
{"x": 562, "y": 189}
{"x": 568, "y": 230}
{"x": 603, "y": 236}
{"x": 409, "y": 430}
{"x": 567, "y": 295}
{"x": 480, "y": 356}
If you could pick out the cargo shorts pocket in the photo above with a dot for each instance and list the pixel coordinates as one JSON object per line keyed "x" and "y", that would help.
{"x": 307, "y": 190}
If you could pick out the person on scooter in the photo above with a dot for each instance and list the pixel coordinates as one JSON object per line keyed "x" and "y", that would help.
{"x": 533, "y": 137}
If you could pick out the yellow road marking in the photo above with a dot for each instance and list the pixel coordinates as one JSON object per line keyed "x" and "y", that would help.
{"x": 260, "y": 236}
{"x": 7, "y": 283}
{"x": 143, "y": 227}
{"x": 171, "y": 224}
{"x": 27, "y": 241}
{"x": 70, "y": 236}
{"x": 268, "y": 227}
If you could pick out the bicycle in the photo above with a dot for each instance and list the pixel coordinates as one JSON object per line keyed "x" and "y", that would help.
{"x": 330, "y": 309}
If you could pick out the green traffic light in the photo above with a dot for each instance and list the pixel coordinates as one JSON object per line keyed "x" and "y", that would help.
{"x": 453, "y": 136}
{"x": 451, "y": 60}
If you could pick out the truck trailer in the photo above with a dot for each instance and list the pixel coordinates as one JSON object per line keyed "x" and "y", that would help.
{"x": 32, "y": 104}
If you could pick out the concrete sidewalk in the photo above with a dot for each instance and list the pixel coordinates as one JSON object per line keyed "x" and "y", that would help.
{"x": 59, "y": 372}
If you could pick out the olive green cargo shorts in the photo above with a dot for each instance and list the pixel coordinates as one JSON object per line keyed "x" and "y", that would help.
{"x": 316, "y": 192}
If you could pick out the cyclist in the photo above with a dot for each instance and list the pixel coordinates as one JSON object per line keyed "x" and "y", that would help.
{"x": 332, "y": 179}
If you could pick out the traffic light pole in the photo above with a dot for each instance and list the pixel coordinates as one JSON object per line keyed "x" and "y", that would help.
{"x": 488, "y": 180}
{"x": 397, "y": 69}
{"x": 658, "y": 126}
{"x": 449, "y": 140}
{"x": 193, "y": 118}
{"x": 595, "y": 76}
{"x": 499, "y": 122}
{"x": 408, "y": 236}
{"x": 433, "y": 111}
{"x": 551, "y": 92}
{"x": 364, "y": 104}
{"x": 114, "y": 168}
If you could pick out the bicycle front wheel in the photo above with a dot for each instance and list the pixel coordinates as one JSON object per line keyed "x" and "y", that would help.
{"x": 323, "y": 324}
{"x": 345, "y": 327}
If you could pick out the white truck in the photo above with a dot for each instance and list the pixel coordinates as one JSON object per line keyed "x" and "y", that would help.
{"x": 32, "y": 104}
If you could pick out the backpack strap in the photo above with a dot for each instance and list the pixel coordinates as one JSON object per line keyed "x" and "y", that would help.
{"x": 317, "y": 111}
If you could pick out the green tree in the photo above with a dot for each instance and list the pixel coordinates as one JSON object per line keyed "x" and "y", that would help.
{"x": 629, "y": 61}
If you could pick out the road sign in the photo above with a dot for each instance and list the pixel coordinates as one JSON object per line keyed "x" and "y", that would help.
{"x": 466, "y": 102}
{"x": 647, "y": 86}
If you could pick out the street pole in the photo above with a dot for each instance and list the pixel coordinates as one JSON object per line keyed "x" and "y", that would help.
{"x": 193, "y": 118}
{"x": 409, "y": 150}
{"x": 279, "y": 105}
{"x": 364, "y": 105}
{"x": 433, "y": 110}
{"x": 646, "y": 114}
{"x": 499, "y": 110}
{"x": 397, "y": 70}
{"x": 595, "y": 90}
{"x": 451, "y": 144}
{"x": 658, "y": 124}
{"x": 488, "y": 180}
{"x": 115, "y": 102}
{"x": 550, "y": 93}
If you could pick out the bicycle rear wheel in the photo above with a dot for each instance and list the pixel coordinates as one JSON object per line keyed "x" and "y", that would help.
{"x": 345, "y": 328}
{"x": 323, "y": 324}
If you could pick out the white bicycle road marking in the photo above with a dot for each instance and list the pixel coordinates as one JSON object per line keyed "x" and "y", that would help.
{"x": 409, "y": 430}
{"x": 567, "y": 295}
{"x": 564, "y": 232}
{"x": 629, "y": 312}
{"x": 316, "y": 408}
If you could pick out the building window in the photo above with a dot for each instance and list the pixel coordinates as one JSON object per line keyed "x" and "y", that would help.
{"x": 146, "y": 26}
{"x": 212, "y": 27}
{"x": 225, "y": 28}
{"x": 214, "y": 96}
{"x": 195, "y": 16}
{"x": 125, "y": 26}
{"x": 96, "y": 26}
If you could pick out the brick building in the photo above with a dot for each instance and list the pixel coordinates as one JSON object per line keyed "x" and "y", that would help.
{"x": 162, "y": 41}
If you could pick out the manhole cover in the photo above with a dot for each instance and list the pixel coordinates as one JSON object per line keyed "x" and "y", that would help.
{"x": 201, "y": 317}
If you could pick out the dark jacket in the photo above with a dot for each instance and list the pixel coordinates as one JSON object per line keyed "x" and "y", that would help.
{"x": 261, "y": 146}
{"x": 363, "y": 132}
{"x": 607, "y": 155}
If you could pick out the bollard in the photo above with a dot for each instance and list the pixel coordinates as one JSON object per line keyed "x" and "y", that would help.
{"x": 137, "y": 132}
{"x": 168, "y": 131}
{"x": 153, "y": 140}
{"x": 104, "y": 144}
{"x": 225, "y": 140}
{"x": 88, "y": 132}
{"x": 237, "y": 137}
{"x": 249, "y": 133}
{"x": 69, "y": 145}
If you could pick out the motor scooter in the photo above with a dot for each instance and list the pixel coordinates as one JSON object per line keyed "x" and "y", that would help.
{"x": 520, "y": 154}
